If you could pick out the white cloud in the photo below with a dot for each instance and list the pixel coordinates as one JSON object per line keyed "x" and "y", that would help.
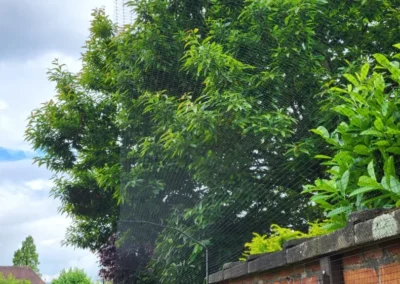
{"x": 26, "y": 209}
{"x": 3, "y": 105}
{"x": 24, "y": 87}
{"x": 39, "y": 184}
{"x": 25, "y": 205}
{"x": 49, "y": 278}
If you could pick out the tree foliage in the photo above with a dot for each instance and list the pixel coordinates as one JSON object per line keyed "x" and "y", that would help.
{"x": 72, "y": 276}
{"x": 27, "y": 255}
{"x": 364, "y": 146}
{"x": 197, "y": 117}
{"x": 10, "y": 279}
{"x": 121, "y": 264}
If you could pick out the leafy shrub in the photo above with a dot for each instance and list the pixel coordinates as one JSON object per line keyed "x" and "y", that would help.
{"x": 365, "y": 146}
{"x": 274, "y": 241}
{"x": 72, "y": 276}
{"x": 11, "y": 280}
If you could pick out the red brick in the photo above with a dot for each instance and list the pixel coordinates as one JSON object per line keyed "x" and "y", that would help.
{"x": 394, "y": 250}
{"x": 285, "y": 273}
{"x": 361, "y": 276}
{"x": 354, "y": 259}
{"x": 296, "y": 270}
{"x": 310, "y": 280}
{"x": 267, "y": 276}
{"x": 313, "y": 266}
{"x": 390, "y": 273}
{"x": 374, "y": 254}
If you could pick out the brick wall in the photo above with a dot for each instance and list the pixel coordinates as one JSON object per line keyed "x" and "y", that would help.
{"x": 366, "y": 251}
{"x": 369, "y": 265}
{"x": 376, "y": 264}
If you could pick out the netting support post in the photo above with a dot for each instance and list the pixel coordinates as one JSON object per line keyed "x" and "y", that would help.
{"x": 206, "y": 264}
{"x": 331, "y": 270}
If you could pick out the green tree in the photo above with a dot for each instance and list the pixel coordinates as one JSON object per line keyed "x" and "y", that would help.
{"x": 11, "y": 280}
{"x": 199, "y": 112}
{"x": 72, "y": 276}
{"x": 27, "y": 255}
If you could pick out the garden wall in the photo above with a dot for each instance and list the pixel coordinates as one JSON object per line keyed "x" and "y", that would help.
{"x": 366, "y": 251}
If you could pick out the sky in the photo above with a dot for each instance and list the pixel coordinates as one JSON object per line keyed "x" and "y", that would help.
{"x": 33, "y": 33}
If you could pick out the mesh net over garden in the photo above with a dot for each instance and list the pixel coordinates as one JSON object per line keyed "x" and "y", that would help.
{"x": 226, "y": 118}
{"x": 247, "y": 114}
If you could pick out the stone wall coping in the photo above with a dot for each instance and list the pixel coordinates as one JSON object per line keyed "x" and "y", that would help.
{"x": 364, "y": 227}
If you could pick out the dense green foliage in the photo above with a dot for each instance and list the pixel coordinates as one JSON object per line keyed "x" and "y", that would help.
{"x": 27, "y": 255}
{"x": 197, "y": 116}
{"x": 72, "y": 276}
{"x": 365, "y": 145}
{"x": 277, "y": 238}
{"x": 11, "y": 280}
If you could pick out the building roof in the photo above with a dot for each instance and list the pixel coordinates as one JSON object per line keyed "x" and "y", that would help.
{"x": 21, "y": 272}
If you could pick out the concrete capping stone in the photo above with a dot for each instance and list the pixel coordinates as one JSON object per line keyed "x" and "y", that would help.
{"x": 254, "y": 256}
{"x": 334, "y": 242}
{"x": 303, "y": 251}
{"x": 380, "y": 228}
{"x": 294, "y": 242}
{"x": 235, "y": 271}
{"x": 239, "y": 270}
{"x": 364, "y": 215}
{"x": 230, "y": 264}
{"x": 267, "y": 262}
{"x": 216, "y": 277}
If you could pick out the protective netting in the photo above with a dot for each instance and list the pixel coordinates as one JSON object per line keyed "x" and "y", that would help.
{"x": 196, "y": 123}
{"x": 123, "y": 15}
{"x": 218, "y": 143}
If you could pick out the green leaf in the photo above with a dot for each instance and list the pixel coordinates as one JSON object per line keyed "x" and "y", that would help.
{"x": 351, "y": 79}
{"x": 397, "y": 45}
{"x": 379, "y": 124}
{"x": 382, "y": 60}
{"x": 359, "y": 98}
{"x": 394, "y": 150}
{"x": 392, "y": 131}
{"x": 371, "y": 170}
{"x": 319, "y": 197}
{"x": 344, "y": 110}
{"x": 372, "y": 132}
{"x": 380, "y": 197}
{"x": 321, "y": 131}
{"x": 385, "y": 108}
{"x": 382, "y": 143}
{"x": 385, "y": 183}
{"x": 340, "y": 210}
{"x": 344, "y": 181}
{"x": 394, "y": 185}
{"x": 324, "y": 204}
{"x": 367, "y": 181}
{"x": 323, "y": 157}
{"x": 364, "y": 72}
{"x": 361, "y": 149}
{"x": 389, "y": 168}
{"x": 364, "y": 189}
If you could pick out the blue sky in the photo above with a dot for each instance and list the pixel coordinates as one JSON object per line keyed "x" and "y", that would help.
{"x": 36, "y": 32}
{"x": 14, "y": 155}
